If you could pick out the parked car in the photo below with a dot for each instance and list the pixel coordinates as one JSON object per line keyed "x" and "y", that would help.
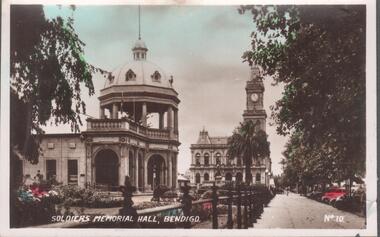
{"x": 332, "y": 194}
{"x": 315, "y": 195}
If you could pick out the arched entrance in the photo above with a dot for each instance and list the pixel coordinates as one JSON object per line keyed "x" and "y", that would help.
{"x": 156, "y": 171}
{"x": 106, "y": 168}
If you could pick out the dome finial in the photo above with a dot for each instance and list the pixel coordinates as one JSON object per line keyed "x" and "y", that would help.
{"x": 140, "y": 49}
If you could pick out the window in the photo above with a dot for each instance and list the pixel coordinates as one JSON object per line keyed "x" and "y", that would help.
{"x": 228, "y": 177}
{"x": 239, "y": 177}
{"x": 156, "y": 76}
{"x": 72, "y": 145}
{"x": 51, "y": 169}
{"x": 207, "y": 159}
{"x": 218, "y": 158}
{"x": 206, "y": 177}
{"x": 130, "y": 75}
{"x": 258, "y": 177}
{"x": 110, "y": 78}
{"x": 72, "y": 171}
{"x": 239, "y": 161}
{"x": 50, "y": 145}
{"x": 197, "y": 159}
{"x": 197, "y": 178}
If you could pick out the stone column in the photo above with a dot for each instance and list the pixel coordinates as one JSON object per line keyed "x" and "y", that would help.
{"x": 137, "y": 169}
{"x": 114, "y": 111}
{"x": 146, "y": 175}
{"x": 174, "y": 172}
{"x": 161, "y": 120}
{"x": 170, "y": 118}
{"x": 89, "y": 167}
{"x": 144, "y": 114}
{"x": 101, "y": 112}
{"x": 176, "y": 120}
{"x": 170, "y": 174}
{"x": 126, "y": 162}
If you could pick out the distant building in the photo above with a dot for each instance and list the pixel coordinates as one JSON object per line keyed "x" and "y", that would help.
{"x": 120, "y": 142}
{"x": 209, "y": 161}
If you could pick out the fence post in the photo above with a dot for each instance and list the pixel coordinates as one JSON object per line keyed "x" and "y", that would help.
{"x": 230, "y": 223}
{"x": 238, "y": 203}
{"x": 128, "y": 209}
{"x": 214, "y": 207}
{"x": 187, "y": 202}
{"x": 245, "y": 208}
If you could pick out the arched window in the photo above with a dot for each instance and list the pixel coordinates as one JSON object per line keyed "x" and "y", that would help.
{"x": 258, "y": 177}
{"x": 206, "y": 177}
{"x": 238, "y": 161}
{"x": 207, "y": 159}
{"x": 198, "y": 159}
{"x": 156, "y": 76}
{"x": 197, "y": 178}
{"x": 217, "y": 174}
{"x": 130, "y": 75}
{"x": 228, "y": 176}
{"x": 218, "y": 158}
{"x": 110, "y": 77}
{"x": 239, "y": 177}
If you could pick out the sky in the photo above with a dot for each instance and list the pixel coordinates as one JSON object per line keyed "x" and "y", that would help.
{"x": 201, "y": 46}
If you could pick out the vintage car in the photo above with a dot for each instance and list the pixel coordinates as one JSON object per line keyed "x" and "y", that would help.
{"x": 332, "y": 194}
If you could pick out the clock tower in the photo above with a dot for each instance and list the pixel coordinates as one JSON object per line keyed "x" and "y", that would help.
{"x": 255, "y": 95}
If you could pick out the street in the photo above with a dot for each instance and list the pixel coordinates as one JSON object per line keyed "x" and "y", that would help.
{"x": 298, "y": 212}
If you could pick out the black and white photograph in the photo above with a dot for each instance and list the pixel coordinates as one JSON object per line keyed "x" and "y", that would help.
{"x": 246, "y": 118}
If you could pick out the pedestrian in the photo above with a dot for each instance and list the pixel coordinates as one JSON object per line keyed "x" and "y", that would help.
{"x": 38, "y": 176}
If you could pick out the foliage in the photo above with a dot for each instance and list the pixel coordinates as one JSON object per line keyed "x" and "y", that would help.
{"x": 170, "y": 194}
{"x": 72, "y": 195}
{"x": 145, "y": 205}
{"x": 33, "y": 206}
{"x": 318, "y": 54}
{"x": 47, "y": 71}
{"x": 249, "y": 143}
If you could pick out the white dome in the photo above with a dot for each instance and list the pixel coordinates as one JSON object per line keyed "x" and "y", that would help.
{"x": 139, "y": 72}
{"x": 140, "y": 44}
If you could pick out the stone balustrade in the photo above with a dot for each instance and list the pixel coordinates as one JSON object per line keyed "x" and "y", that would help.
{"x": 99, "y": 125}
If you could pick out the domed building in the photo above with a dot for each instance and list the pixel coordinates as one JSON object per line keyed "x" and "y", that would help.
{"x": 136, "y": 134}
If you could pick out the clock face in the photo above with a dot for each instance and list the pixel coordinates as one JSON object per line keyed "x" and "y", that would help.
{"x": 254, "y": 97}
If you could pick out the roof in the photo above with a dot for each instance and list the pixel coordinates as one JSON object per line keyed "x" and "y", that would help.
{"x": 205, "y": 139}
{"x": 181, "y": 177}
{"x": 139, "y": 71}
{"x": 143, "y": 72}
{"x": 219, "y": 140}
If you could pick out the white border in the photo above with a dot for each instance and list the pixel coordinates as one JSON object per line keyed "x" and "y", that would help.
{"x": 371, "y": 139}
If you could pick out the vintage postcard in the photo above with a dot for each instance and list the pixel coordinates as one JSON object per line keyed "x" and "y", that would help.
{"x": 199, "y": 118}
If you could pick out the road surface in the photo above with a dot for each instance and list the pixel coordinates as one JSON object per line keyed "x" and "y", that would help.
{"x": 295, "y": 211}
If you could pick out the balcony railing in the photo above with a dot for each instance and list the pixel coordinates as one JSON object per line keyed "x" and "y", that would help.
{"x": 95, "y": 125}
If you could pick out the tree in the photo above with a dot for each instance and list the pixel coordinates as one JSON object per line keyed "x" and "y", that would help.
{"x": 48, "y": 71}
{"x": 249, "y": 143}
{"x": 318, "y": 54}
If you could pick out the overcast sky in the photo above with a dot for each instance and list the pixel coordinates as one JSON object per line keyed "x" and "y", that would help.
{"x": 200, "y": 46}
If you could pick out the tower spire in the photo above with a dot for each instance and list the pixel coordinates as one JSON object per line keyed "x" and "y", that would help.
{"x": 139, "y": 22}
{"x": 140, "y": 49}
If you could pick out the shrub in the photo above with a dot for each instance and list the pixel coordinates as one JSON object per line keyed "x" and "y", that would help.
{"x": 170, "y": 194}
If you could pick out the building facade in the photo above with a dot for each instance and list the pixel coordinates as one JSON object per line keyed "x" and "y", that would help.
{"x": 209, "y": 160}
{"x": 136, "y": 134}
